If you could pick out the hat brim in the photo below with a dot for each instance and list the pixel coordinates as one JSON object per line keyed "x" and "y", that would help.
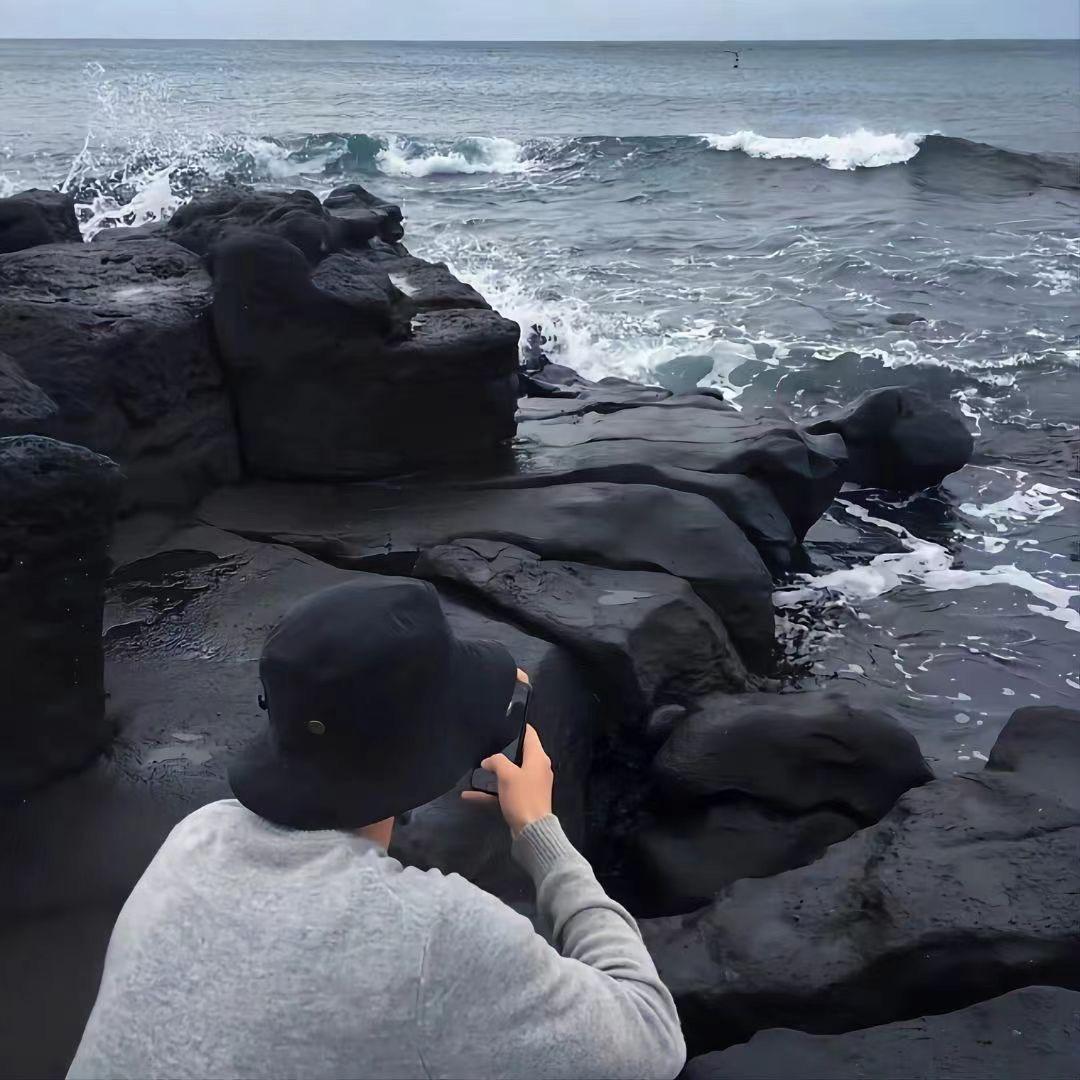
{"x": 468, "y": 714}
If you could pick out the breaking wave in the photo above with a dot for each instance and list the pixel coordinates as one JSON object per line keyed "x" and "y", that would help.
{"x": 860, "y": 149}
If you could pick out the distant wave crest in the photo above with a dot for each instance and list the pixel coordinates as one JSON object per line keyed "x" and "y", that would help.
{"x": 859, "y": 149}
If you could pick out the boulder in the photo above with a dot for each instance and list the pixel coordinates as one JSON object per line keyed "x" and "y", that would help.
{"x": 57, "y": 504}
{"x": 296, "y": 216}
{"x": 803, "y": 471}
{"x": 619, "y": 526}
{"x": 749, "y": 503}
{"x": 31, "y": 218}
{"x": 968, "y": 888}
{"x": 799, "y": 751}
{"x": 1027, "y": 1033}
{"x": 900, "y": 438}
{"x": 24, "y": 406}
{"x": 382, "y": 219}
{"x": 334, "y": 376}
{"x": 109, "y": 347}
{"x": 752, "y": 785}
{"x": 904, "y": 318}
{"x": 681, "y": 374}
{"x": 681, "y": 859}
{"x": 645, "y": 635}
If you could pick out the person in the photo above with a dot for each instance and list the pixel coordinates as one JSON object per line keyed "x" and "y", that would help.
{"x": 273, "y": 936}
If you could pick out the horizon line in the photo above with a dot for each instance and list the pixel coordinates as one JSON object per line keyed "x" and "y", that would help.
{"x": 546, "y": 41}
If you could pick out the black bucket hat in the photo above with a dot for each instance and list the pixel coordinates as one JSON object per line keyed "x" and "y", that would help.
{"x": 375, "y": 707}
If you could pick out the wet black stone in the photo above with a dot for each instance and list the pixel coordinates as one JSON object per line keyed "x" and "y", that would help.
{"x": 117, "y": 338}
{"x": 752, "y": 785}
{"x": 900, "y": 438}
{"x": 1033, "y": 1032}
{"x": 334, "y": 375}
{"x": 619, "y": 526}
{"x": 34, "y": 217}
{"x": 57, "y": 503}
{"x": 645, "y": 635}
{"x": 968, "y": 888}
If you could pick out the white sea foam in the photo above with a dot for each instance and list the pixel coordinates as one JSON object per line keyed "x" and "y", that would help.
{"x": 930, "y": 566}
{"x": 482, "y": 154}
{"x": 1036, "y": 503}
{"x": 154, "y": 200}
{"x": 858, "y": 149}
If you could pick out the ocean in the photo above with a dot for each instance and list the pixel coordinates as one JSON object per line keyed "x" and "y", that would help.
{"x": 756, "y": 211}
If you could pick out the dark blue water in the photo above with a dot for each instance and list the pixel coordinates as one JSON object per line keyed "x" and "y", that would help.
{"x": 644, "y": 202}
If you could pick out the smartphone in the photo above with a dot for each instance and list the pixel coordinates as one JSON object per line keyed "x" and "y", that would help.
{"x": 518, "y": 710}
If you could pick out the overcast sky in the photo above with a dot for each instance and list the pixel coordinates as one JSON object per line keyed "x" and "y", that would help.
{"x": 543, "y": 19}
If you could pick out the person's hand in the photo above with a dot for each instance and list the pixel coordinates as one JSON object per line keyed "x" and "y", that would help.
{"x": 525, "y": 791}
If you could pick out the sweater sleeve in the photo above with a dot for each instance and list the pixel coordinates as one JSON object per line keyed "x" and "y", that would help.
{"x": 497, "y": 1000}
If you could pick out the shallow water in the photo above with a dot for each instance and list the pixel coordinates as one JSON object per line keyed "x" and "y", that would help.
{"x": 647, "y": 202}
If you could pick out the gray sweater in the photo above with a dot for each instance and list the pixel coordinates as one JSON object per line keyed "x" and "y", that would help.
{"x": 249, "y": 950}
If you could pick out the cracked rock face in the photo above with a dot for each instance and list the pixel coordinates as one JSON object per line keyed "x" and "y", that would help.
{"x": 116, "y": 337}
{"x": 57, "y": 503}
{"x": 1027, "y": 1033}
{"x": 966, "y": 889}
{"x": 647, "y": 634}
{"x": 619, "y": 526}
{"x": 340, "y": 374}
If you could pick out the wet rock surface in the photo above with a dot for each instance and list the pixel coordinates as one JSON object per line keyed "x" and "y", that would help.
{"x": 57, "y": 504}
{"x": 619, "y": 526}
{"x": 900, "y": 438}
{"x": 646, "y": 635}
{"x": 31, "y": 218}
{"x": 748, "y": 786}
{"x": 965, "y": 890}
{"x": 802, "y": 471}
{"x": 1026, "y": 1033}
{"x": 339, "y": 374}
{"x": 117, "y": 338}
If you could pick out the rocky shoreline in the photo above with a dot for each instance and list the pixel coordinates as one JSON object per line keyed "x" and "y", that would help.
{"x": 204, "y": 420}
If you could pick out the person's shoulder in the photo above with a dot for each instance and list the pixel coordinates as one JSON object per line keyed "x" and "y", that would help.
{"x": 214, "y": 818}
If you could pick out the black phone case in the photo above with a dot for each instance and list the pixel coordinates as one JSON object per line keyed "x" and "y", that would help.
{"x": 488, "y": 782}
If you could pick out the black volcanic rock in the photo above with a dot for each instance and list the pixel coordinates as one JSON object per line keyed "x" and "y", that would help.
{"x": 968, "y": 888}
{"x": 367, "y": 213}
{"x": 798, "y": 751}
{"x": 752, "y": 785}
{"x": 24, "y": 407}
{"x": 644, "y": 634}
{"x": 749, "y": 503}
{"x": 297, "y": 216}
{"x": 117, "y": 338}
{"x": 34, "y": 217}
{"x": 1033, "y": 1032}
{"x": 802, "y": 471}
{"x": 57, "y": 503}
{"x": 900, "y": 438}
{"x": 620, "y": 526}
{"x": 681, "y": 858}
{"x": 336, "y": 376}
